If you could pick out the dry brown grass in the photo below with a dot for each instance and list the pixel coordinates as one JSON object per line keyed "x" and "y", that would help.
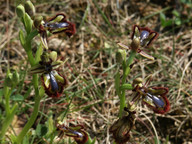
{"x": 91, "y": 65}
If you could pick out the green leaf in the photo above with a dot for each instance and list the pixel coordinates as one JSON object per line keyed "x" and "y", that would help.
{"x": 176, "y": 13}
{"x": 22, "y": 38}
{"x": 32, "y": 35}
{"x": 15, "y": 77}
{"x": 117, "y": 83}
{"x": 162, "y": 18}
{"x": 178, "y": 21}
{"x": 1, "y": 93}
{"x": 38, "y": 53}
{"x": 26, "y": 140}
{"x": 126, "y": 87}
{"x": 8, "y": 81}
{"x": 17, "y": 97}
{"x": 50, "y": 125}
{"x": 165, "y": 22}
{"x": 168, "y": 23}
{"x": 41, "y": 130}
{"x": 28, "y": 23}
{"x": 41, "y": 91}
{"x": 93, "y": 142}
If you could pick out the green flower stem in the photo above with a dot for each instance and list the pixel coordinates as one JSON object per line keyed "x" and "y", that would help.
{"x": 6, "y": 93}
{"x": 34, "y": 114}
{"x": 37, "y": 99}
{"x": 125, "y": 74}
{"x": 8, "y": 119}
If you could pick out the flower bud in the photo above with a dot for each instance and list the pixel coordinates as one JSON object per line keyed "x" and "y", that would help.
{"x": 8, "y": 80}
{"x": 15, "y": 77}
{"x": 30, "y": 9}
{"x": 20, "y": 10}
{"x": 137, "y": 81}
{"x": 120, "y": 55}
{"x": 37, "y": 21}
{"x": 53, "y": 56}
{"x": 135, "y": 44}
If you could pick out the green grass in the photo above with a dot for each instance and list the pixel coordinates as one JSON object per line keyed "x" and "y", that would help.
{"x": 90, "y": 96}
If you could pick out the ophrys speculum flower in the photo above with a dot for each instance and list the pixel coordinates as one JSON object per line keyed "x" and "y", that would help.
{"x": 141, "y": 37}
{"x": 154, "y": 97}
{"x": 52, "y": 80}
{"x": 75, "y": 131}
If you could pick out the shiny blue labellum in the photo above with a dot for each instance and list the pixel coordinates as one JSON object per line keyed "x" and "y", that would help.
{"x": 77, "y": 133}
{"x": 54, "y": 85}
{"x": 156, "y": 100}
{"x": 56, "y": 25}
{"x": 144, "y": 35}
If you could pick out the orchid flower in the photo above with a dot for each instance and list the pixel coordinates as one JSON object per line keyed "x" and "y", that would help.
{"x": 75, "y": 131}
{"x": 141, "y": 37}
{"x": 154, "y": 97}
{"x": 51, "y": 79}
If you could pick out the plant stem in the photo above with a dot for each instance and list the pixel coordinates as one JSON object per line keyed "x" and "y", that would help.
{"x": 125, "y": 74}
{"x": 6, "y": 93}
{"x": 34, "y": 114}
{"x": 37, "y": 99}
{"x": 7, "y": 121}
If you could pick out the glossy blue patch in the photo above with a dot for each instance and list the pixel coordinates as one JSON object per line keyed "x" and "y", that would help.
{"x": 54, "y": 85}
{"x": 144, "y": 35}
{"x": 156, "y": 100}
{"x": 56, "y": 25}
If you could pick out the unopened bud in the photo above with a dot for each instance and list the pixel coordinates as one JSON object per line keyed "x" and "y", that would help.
{"x": 121, "y": 55}
{"x": 135, "y": 44}
{"x": 37, "y": 21}
{"x": 30, "y": 9}
{"x": 20, "y": 10}
{"x": 53, "y": 56}
{"x": 137, "y": 81}
{"x": 15, "y": 77}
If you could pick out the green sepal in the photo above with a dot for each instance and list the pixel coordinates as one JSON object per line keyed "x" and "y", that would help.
{"x": 38, "y": 54}
{"x": 126, "y": 87}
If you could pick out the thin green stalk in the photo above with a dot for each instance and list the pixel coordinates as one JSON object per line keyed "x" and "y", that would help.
{"x": 125, "y": 74}
{"x": 7, "y": 121}
{"x": 6, "y": 92}
{"x": 34, "y": 114}
{"x": 37, "y": 99}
